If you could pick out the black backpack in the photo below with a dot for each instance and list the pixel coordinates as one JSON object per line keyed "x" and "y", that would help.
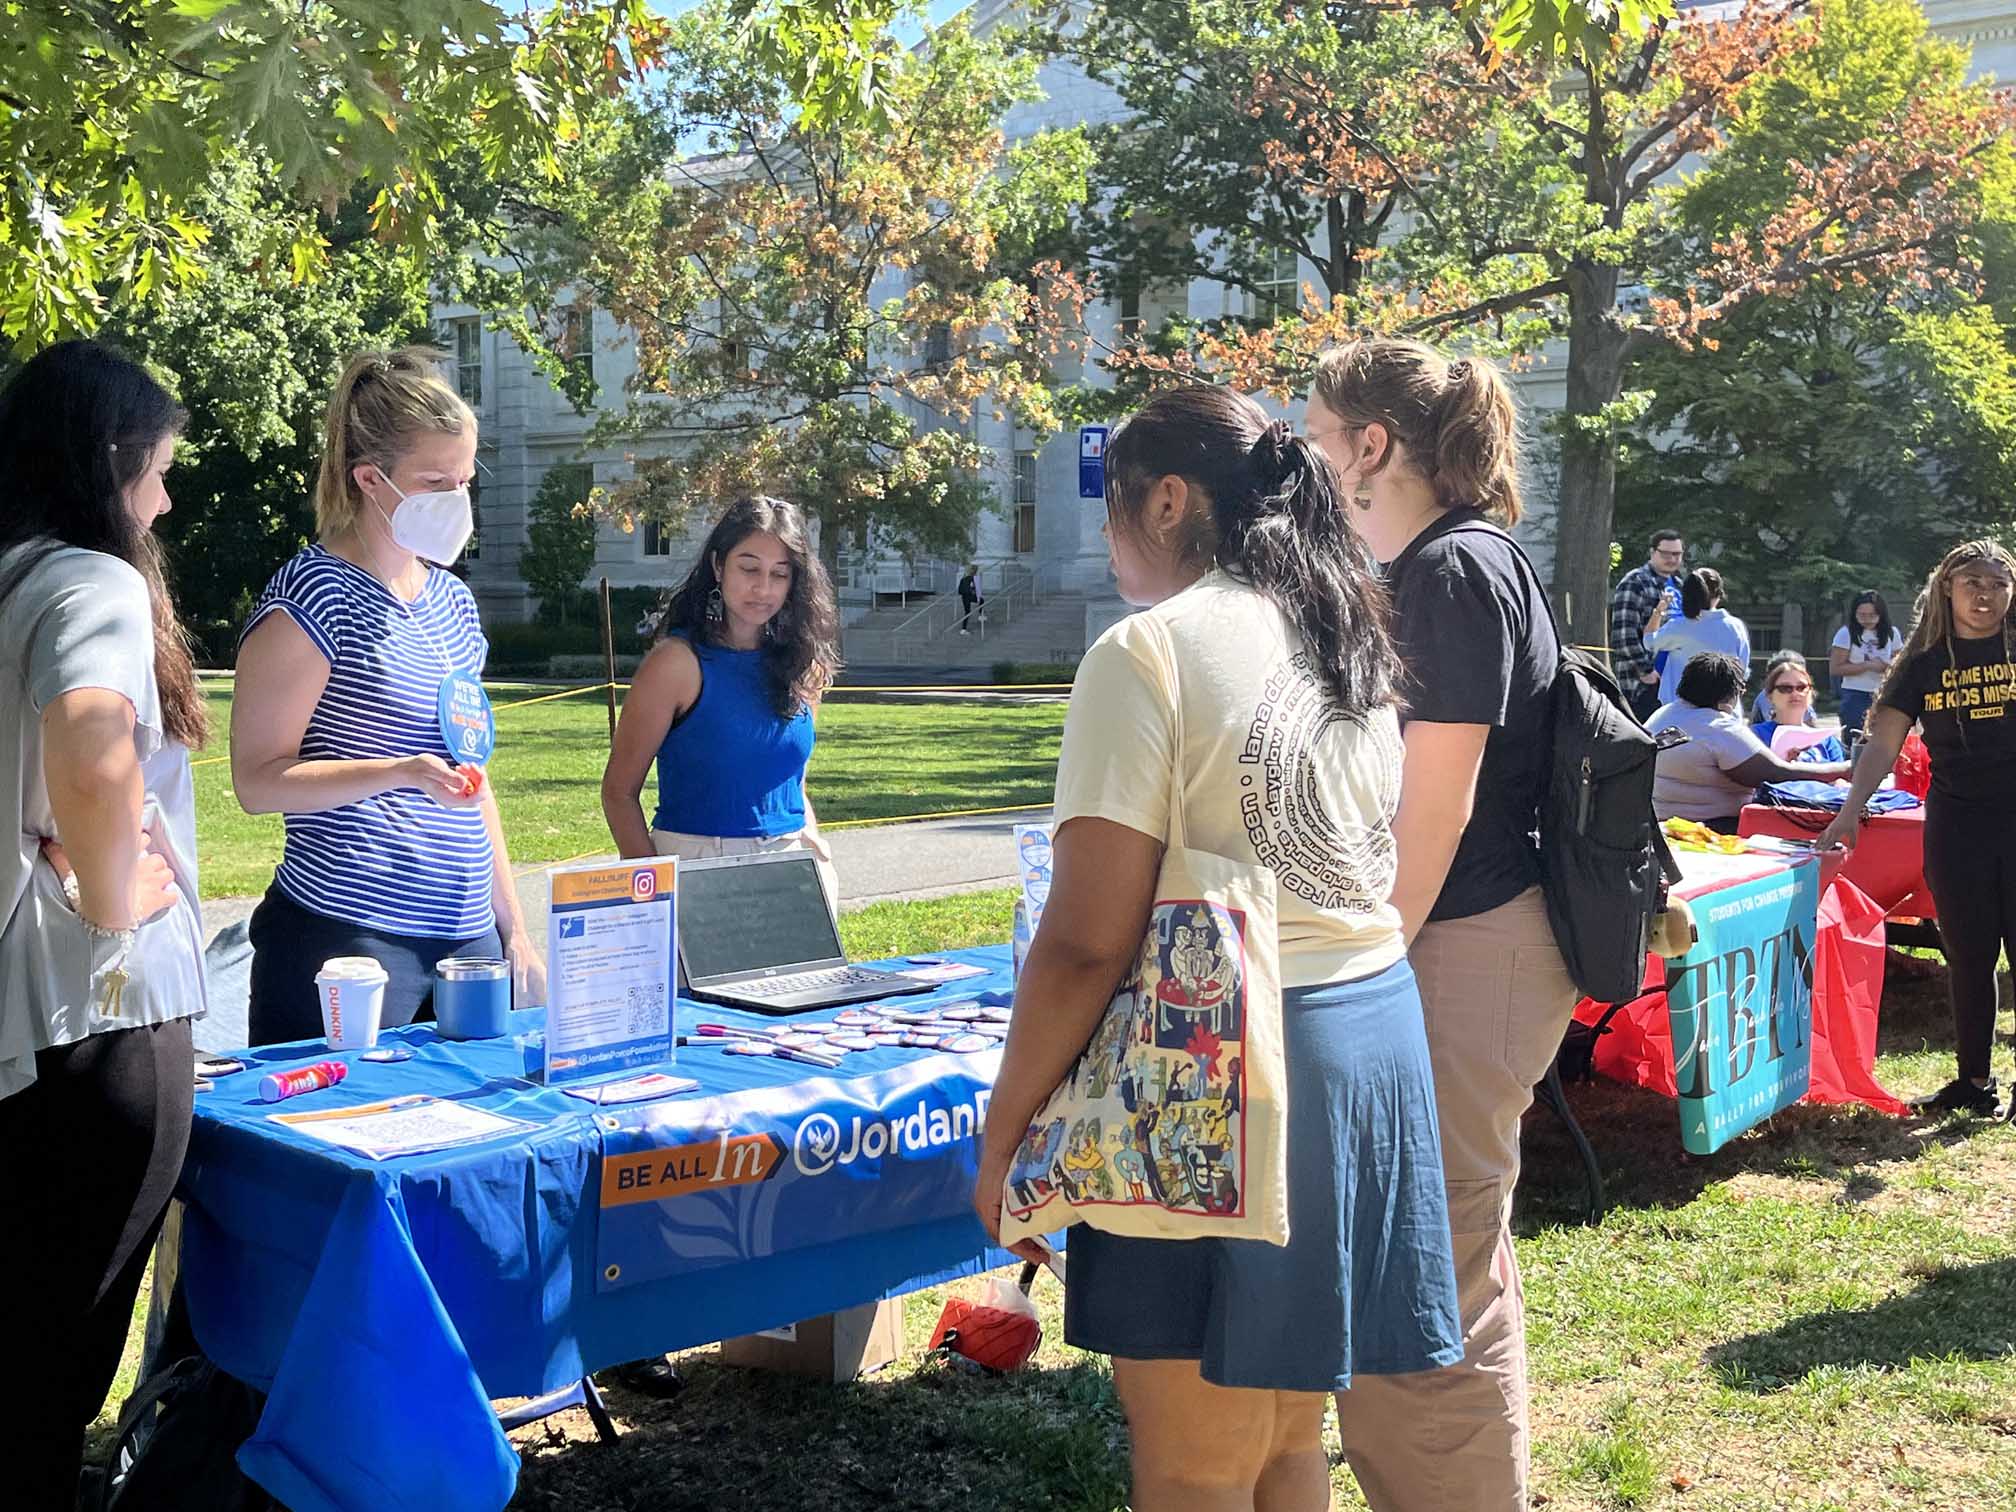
{"x": 177, "y": 1446}
{"x": 1604, "y": 862}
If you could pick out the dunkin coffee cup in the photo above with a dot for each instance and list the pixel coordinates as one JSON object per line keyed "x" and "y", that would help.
{"x": 351, "y": 990}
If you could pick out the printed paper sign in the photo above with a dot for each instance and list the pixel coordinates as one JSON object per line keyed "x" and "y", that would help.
{"x": 610, "y": 948}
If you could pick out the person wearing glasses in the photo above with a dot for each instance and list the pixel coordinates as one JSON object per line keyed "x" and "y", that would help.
{"x": 1786, "y": 704}
{"x": 1710, "y": 776}
{"x": 1632, "y": 605}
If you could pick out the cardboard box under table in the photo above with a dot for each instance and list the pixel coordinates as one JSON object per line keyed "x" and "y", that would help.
{"x": 383, "y": 1304}
{"x": 840, "y": 1346}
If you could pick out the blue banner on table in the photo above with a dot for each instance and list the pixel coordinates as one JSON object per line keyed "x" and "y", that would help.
{"x": 610, "y": 944}
{"x": 691, "y": 1184}
{"x": 1741, "y": 1006}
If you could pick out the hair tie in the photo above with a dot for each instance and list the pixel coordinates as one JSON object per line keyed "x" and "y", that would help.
{"x": 1459, "y": 370}
{"x": 1275, "y": 448}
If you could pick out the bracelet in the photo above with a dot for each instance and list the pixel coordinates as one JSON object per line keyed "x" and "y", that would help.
{"x": 72, "y": 892}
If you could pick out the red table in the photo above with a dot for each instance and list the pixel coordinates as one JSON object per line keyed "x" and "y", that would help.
{"x": 1889, "y": 859}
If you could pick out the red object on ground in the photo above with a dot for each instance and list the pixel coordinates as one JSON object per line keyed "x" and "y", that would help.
{"x": 1001, "y": 1333}
{"x": 1847, "y": 993}
{"x": 1888, "y": 863}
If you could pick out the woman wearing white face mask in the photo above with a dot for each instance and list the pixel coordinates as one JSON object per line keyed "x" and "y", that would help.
{"x": 395, "y": 848}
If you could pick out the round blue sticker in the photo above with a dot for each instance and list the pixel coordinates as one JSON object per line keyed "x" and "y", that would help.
{"x": 468, "y": 727}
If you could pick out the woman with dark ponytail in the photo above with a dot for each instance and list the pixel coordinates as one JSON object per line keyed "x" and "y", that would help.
{"x": 1427, "y": 450}
{"x": 1261, "y": 662}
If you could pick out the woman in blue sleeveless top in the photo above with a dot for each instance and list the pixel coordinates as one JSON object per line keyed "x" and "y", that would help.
{"x": 724, "y": 703}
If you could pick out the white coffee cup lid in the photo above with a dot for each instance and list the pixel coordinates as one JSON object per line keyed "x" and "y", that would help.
{"x": 352, "y": 969}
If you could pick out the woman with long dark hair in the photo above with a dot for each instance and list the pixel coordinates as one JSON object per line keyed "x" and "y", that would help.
{"x": 101, "y": 957}
{"x": 1865, "y": 648}
{"x": 1954, "y": 678}
{"x": 724, "y": 702}
{"x": 1427, "y": 449}
{"x": 1703, "y": 625}
{"x": 1262, "y": 659}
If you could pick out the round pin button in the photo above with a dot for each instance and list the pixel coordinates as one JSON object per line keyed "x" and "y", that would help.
{"x": 387, "y": 1054}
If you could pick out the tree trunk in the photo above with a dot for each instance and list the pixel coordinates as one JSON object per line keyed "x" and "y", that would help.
{"x": 1597, "y": 344}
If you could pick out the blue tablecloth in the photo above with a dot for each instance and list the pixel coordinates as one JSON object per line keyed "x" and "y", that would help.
{"x": 382, "y": 1304}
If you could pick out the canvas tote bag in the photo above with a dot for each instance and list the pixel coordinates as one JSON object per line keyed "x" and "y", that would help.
{"x": 1172, "y": 1122}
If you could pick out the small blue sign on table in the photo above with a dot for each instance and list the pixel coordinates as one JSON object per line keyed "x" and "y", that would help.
{"x": 1092, "y": 461}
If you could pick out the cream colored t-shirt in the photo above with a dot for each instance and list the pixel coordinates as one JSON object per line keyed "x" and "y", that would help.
{"x": 1273, "y": 771}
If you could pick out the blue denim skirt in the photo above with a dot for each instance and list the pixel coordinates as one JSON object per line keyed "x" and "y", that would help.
{"x": 1366, "y": 1283}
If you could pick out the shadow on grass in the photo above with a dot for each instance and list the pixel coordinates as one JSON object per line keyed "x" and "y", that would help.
{"x": 1636, "y": 1134}
{"x": 933, "y": 1440}
{"x": 1965, "y": 1311}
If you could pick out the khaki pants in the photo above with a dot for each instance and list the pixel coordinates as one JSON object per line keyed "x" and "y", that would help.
{"x": 1497, "y": 1000}
{"x": 707, "y": 847}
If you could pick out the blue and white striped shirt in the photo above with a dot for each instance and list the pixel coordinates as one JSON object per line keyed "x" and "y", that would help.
{"x": 397, "y": 862}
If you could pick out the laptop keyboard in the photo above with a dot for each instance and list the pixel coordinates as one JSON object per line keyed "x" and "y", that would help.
{"x": 811, "y": 981}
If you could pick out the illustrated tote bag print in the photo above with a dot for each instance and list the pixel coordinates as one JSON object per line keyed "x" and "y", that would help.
{"x": 1172, "y": 1123}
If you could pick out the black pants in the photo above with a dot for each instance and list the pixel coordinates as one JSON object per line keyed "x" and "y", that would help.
{"x": 88, "y": 1158}
{"x": 1970, "y": 865}
{"x": 289, "y": 945}
{"x": 966, "y": 612}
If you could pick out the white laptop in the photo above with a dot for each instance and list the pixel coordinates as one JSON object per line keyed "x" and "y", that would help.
{"x": 757, "y": 932}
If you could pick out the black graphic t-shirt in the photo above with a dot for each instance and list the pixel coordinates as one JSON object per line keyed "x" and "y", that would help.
{"x": 1966, "y": 702}
{"x": 1479, "y": 648}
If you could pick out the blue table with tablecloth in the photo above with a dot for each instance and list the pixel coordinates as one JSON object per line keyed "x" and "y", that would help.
{"x": 382, "y": 1304}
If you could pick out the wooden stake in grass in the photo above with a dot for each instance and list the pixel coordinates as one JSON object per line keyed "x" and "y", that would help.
{"x": 609, "y": 662}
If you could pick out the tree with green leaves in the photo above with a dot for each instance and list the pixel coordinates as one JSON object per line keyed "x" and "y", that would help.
{"x": 1841, "y": 436}
{"x": 116, "y": 115}
{"x": 252, "y": 353}
{"x": 818, "y": 309}
{"x": 1524, "y": 236}
{"x": 559, "y": 540}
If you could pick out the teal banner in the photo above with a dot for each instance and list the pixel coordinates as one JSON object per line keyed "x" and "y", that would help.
{"x": 1741, "y": 1005}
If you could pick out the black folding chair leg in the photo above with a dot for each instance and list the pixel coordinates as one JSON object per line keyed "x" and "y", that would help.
{"x": 1551, "y": 1092}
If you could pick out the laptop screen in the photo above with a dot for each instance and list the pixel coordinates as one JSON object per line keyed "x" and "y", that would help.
{"x": 735, "y": 920}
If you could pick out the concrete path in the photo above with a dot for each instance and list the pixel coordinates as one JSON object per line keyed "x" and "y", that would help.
{"x": 884, "y": 863}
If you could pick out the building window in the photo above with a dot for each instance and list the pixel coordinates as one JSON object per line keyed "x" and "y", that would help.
{"x": 465, "y": 344}
{"x": 938, "y": 346}
{"x": 1025, "y": 501}
{"x": 1025, "y": 477}
{"x": 474, "y": 551}
{"x": 577, "y": 338}
{"x": 1278, "y": 288}
{"x": 657, "y": 539}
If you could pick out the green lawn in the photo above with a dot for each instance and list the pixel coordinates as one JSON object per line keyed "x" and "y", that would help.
{"x": 874, "y": 760}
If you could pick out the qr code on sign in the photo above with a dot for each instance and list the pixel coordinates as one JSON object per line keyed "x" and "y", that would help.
{"x": 647, "y": 1009}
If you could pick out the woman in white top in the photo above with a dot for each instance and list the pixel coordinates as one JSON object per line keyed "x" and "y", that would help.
{"x": 1865, "y": 648}
{"x": 1704, "y": 625}
{"x": 101, "y": 961}
{"x": 1261, "y": 638}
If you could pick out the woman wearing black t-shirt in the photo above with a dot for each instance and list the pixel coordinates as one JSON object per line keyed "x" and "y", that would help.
{"x": 1955, "y": 678}
{"x": 1427, "y": 451}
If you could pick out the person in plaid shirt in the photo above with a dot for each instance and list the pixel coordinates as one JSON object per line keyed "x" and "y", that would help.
{"x": 1631, "y": 605}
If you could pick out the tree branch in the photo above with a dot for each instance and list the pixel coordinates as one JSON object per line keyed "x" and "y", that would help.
{"x": 1502, "y": 304}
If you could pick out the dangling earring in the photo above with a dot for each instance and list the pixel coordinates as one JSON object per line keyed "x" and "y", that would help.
{"x": 716, "y": 610}
{"x": 1361, "y": 496}
{"x": 770, "y": 628}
